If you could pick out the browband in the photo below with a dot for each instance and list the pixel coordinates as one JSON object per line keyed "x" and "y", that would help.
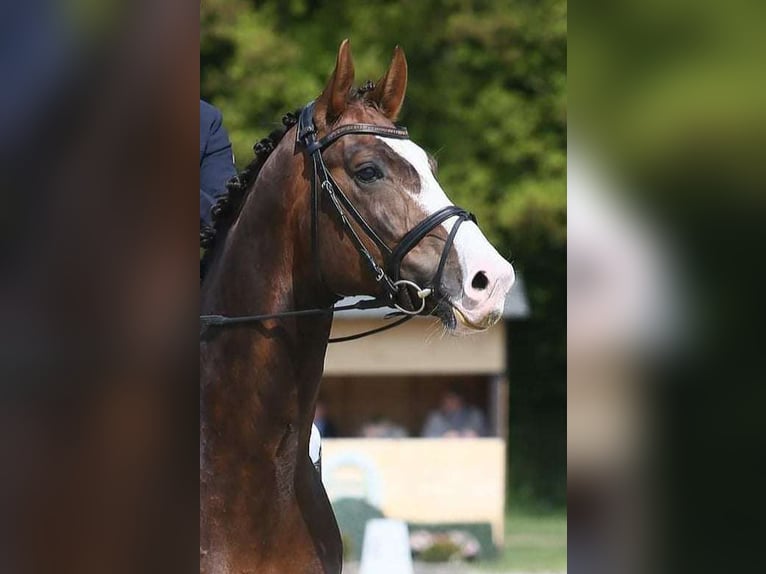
{"x": 306, "y": 129}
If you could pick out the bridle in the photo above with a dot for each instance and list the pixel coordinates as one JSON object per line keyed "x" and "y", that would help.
{"x": 387, "y": 275}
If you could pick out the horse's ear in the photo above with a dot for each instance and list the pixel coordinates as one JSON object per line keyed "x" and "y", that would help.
{"x": 390, "y": 89}
{"x": 332, "y": 103}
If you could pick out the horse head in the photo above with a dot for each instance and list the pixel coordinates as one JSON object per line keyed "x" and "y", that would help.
{"x": 392, "y": 183}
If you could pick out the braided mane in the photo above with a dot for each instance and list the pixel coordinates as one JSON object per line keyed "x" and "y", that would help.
{"x": 227, "y": 208}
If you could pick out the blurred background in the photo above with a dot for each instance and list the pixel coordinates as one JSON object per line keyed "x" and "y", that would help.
{"x": 486, "y": 96}
{"x": 665, "y": 286}
{"x": 99, "y": 268}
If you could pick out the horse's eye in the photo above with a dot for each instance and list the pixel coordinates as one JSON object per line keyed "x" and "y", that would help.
{"x": 368, "y": 174}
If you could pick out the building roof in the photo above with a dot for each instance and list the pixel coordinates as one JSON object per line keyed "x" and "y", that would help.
{"x": 516, "y": 305}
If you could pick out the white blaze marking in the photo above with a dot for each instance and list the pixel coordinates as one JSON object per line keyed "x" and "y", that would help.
{"x": 432, "y": 197}
{"x": 470, "y": 244}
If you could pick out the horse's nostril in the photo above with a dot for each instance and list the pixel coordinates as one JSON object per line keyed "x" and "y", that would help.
{"x": 480, "y": 281}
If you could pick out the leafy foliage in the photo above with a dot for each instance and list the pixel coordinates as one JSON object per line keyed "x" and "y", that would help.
{"x": 442, "y": 551}
{"x": 486, "y": 96}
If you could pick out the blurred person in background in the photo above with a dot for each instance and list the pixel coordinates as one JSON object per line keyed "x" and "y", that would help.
{"x": 322, "y": 422}
{"x": 454, "y": 418}
{"x": 216, "y": 160}
{"x": 381, "y": 427}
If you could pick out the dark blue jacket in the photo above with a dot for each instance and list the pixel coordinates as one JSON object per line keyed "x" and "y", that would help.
{"x": 216, "y": 160}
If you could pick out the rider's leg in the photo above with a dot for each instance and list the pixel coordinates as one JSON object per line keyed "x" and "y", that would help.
{"x": 315, "y": 448}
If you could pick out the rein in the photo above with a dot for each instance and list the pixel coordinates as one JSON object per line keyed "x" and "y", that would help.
{"x": 387, "y": 275}
{"x": 218, "y": 321}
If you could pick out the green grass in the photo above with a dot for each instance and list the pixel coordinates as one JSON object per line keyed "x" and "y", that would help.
{"x": 534, "y": 542}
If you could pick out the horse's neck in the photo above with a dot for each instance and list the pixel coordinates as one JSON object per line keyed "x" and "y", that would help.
{"x": 258, "y": 389}
{"x": 270, "y": 371}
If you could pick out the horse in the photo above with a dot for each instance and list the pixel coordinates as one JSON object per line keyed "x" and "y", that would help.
{"x": 339, "y": 203}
